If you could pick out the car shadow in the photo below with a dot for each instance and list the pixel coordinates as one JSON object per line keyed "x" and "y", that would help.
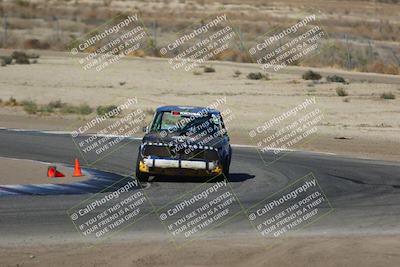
{"x": 233, "y": 178}
{"x": 240, "y": 177}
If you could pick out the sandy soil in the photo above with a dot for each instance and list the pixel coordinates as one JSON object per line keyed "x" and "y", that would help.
{"x": 370, "y": 124}
{"x": 295, "y": 251}
{"x": 17, "y": 171}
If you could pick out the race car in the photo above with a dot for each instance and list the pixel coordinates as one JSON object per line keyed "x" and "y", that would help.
{"x": 184, "y": 141}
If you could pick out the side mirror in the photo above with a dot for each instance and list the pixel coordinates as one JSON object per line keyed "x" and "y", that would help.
{"x": 146, "y": 129}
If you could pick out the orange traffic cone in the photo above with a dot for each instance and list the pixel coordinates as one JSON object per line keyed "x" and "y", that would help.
{"x": 77, "y": 169}
{"x": 53, "y": 173}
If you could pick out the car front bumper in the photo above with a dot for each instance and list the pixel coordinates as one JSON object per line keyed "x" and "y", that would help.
{"x": 179, "y": 167}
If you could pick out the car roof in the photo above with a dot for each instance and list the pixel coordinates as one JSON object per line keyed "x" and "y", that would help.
{"x": 188, "y": 109}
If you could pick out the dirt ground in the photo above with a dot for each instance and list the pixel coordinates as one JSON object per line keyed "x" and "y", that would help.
{"x": 17, "y": 171}
{"x": 364, "y": 125}
{"x": 294, "y": 251}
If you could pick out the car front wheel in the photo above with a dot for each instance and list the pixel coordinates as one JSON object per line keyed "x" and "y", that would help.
{"x": 225, "y": 168}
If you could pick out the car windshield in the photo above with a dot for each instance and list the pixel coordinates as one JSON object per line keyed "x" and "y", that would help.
{"x": 187, "y": 122}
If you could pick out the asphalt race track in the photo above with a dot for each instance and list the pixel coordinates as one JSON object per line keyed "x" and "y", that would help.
{"x": 364, "y": 194}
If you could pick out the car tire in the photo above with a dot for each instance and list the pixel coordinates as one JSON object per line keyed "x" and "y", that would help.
{"x": 225, "y": 168}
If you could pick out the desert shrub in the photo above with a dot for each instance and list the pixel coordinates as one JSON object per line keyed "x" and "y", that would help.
{"x": 311, "y": 75}
{"x": 30, "y": 107}
{"x": 83, "y": 109}
{"x": 209, "y": 69}
{"x": 17, "y": 54}
{"x": 340, "y": 91}
{"x": 68, "y": 109}
{"x": 33, "y": 108}
{"x": 102, "y": 110}
{"x": 46, "y": 108}
{"x": 347, "y": 100}
{"x": 11, "y": 102}
{"x": 20, "y": 57}
{"x": 7, "y": 59}
{"x": 335, "y": 79}
{"x": 256, "y": 76}
{"x": 56, "y": 104}
{"x": 388, "y": 95}
{"x": 237, "y": 73}
{"x": 22, "y": 61}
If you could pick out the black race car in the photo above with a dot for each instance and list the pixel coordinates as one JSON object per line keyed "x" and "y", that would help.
{"x": 184, "y": 141}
